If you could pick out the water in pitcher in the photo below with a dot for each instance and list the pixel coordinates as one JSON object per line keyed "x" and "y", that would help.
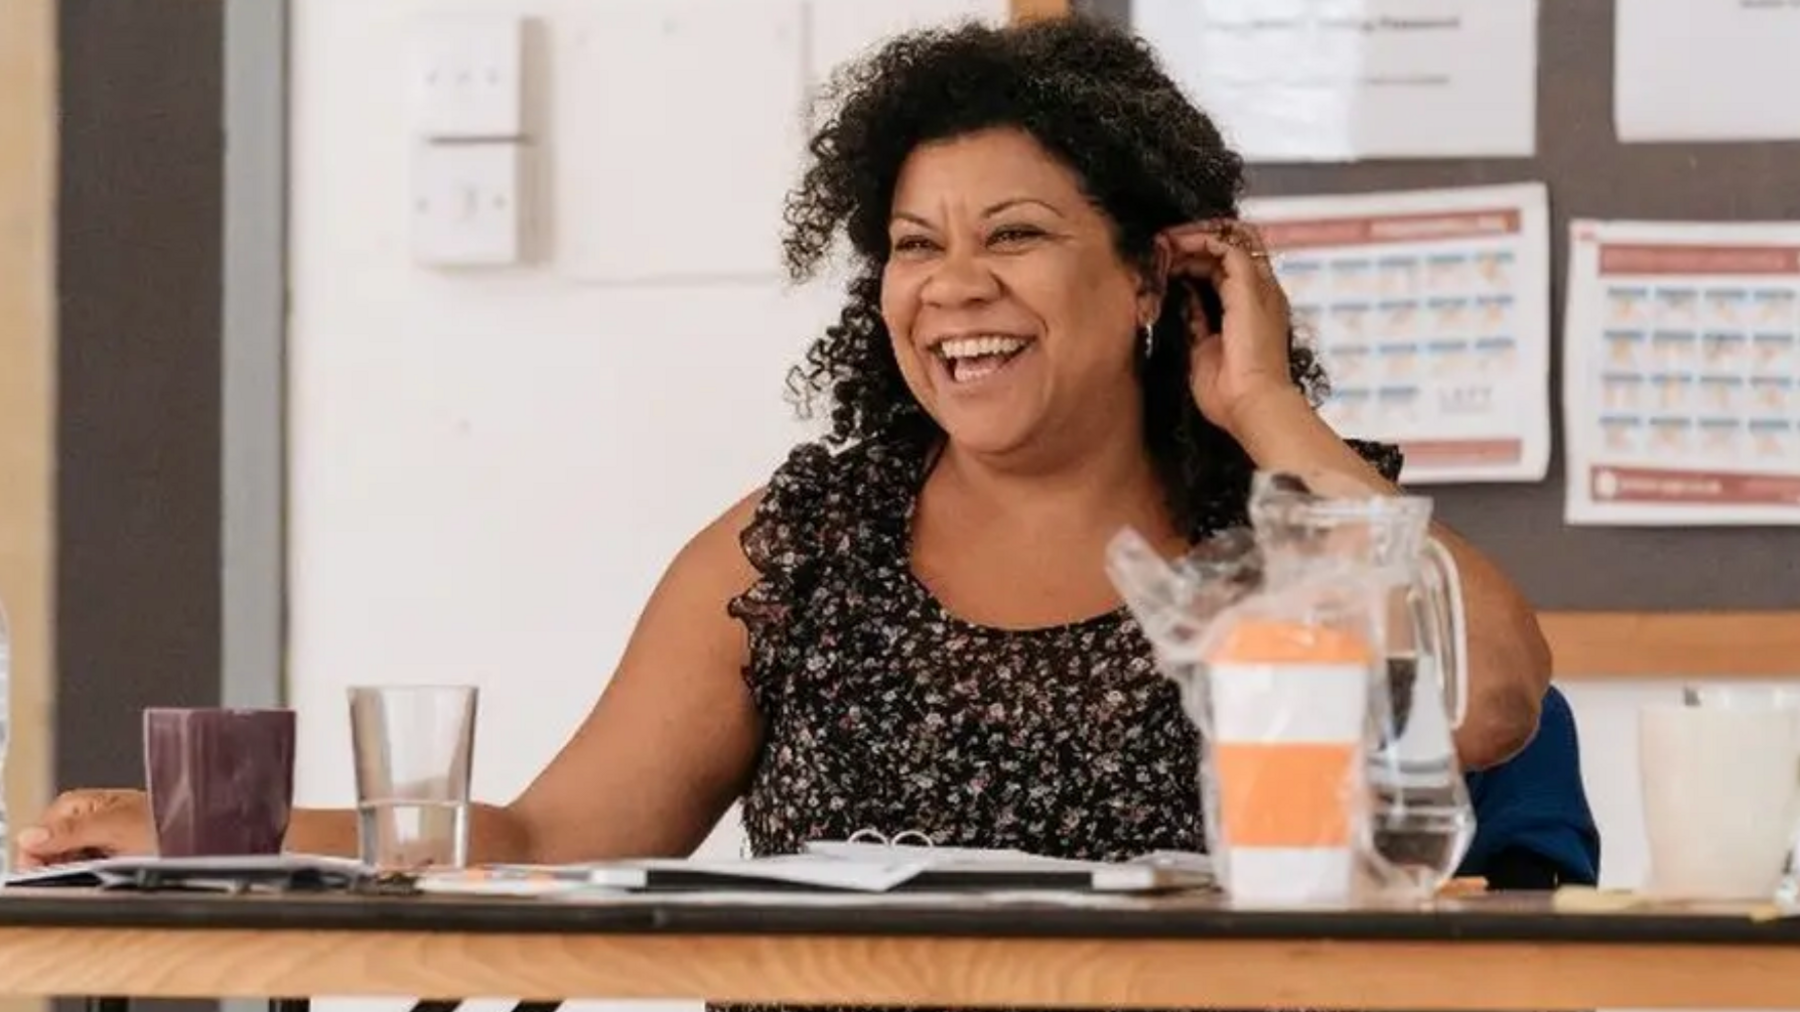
{"x": 1422, "y": 821}
{"x": 410, "y": 834}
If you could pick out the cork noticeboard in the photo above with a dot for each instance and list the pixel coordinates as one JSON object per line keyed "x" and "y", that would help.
{"x": 1625, "y": 601}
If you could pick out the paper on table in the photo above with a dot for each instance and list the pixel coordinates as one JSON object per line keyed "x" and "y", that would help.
{"x": 1706, "y": 70}
{"x": 1591, "y": 900}
{"x": 222, "y": 873}
{"x": 804, "y": 869}
{"x": 1681, "y": 373}
{"x": 1430, "y": 312}
{"x": 844, "y": 867}
{"x": 645, "y": 873}
{"x": 940, "y": 857}
{"x": 960, "y": 899}
{"x": 1339, "y": 80}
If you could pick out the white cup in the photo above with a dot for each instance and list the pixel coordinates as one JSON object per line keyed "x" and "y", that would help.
{"x": 1288, "y": 748}
{"x": 1721, "y": 786}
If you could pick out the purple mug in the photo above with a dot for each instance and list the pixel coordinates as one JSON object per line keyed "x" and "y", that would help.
{"x": 221, "y": 781}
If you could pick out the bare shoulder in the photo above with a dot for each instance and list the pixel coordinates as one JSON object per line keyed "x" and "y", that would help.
{"x": 713, "y": 559}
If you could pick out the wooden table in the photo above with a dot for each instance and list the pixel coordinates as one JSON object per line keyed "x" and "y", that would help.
{"x": 1485, "y": 953}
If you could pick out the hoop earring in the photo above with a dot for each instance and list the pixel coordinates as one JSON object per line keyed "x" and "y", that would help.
{"x": 1149, "y": 339}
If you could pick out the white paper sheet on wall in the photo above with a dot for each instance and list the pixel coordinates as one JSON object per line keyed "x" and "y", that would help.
{"x": 1706, "y": 70}
{"x": 1430, "y": 312}
{"x": 1681, "y": 373}
{"x": 678, "y": 134}
{"x": 1340, "y": 80}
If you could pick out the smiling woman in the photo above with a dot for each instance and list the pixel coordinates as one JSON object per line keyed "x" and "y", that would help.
{"x": 1055, "y": 327}
{"x": 1001, "y": 281}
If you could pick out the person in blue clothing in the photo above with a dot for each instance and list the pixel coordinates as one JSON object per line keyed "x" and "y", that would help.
{"x": 1534, "y": 829}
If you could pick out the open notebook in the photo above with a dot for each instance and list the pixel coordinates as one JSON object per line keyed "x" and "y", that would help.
{"x": 841, "y": 867}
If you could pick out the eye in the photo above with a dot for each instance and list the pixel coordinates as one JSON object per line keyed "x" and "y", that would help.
{"x": 1014, "y": 235}
{"x": 912, "y": 244}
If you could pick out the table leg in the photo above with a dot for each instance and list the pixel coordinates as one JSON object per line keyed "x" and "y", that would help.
{"x": 290, "y": 1004}
{"x": 109, "y": 1005}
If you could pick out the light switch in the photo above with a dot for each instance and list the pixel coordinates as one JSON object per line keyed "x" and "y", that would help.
{"x": 468, "y": 76}
{"x": 467, "y": 204}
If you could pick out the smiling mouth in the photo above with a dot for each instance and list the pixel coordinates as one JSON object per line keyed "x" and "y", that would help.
{"x": 968, "y": 359}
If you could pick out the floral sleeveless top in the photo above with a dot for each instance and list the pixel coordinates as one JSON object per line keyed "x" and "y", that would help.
{"x": 885, "y": 712}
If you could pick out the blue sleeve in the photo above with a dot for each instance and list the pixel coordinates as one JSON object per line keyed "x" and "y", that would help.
{"x": 1536, "y": 803}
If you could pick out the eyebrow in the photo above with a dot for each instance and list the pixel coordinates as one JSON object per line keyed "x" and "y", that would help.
{"x": 994, "y": 209}
{"x": 988, "y": 212}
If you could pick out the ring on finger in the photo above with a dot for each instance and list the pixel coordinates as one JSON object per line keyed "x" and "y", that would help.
{"x": 1245, "y": 238}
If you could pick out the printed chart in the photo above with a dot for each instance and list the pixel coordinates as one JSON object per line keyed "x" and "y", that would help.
{"x": 1681, "y": 356}
{"x": 1430, "y": 311}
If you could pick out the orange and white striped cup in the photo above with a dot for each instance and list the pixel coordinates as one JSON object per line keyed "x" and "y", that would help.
{"x": 1289, "y": 711}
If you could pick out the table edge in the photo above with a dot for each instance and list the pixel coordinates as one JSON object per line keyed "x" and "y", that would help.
{"x": 968, "y": 919}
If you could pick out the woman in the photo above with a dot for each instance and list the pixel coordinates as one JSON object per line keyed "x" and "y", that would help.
{"x": 1057, "y": 329}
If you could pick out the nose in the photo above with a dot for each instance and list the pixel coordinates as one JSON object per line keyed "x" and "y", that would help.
{"x": 958, "y": 278}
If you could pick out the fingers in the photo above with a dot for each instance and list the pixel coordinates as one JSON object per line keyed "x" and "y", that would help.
{"x": 1232, "y": 230}
{"x": 1228, "y": 242}
{"x": 1194, "y": 257}
{"x": 1220, "y": 237}
{"x": 1241, "y": 275}
{"x": 76, "y": 825}
{"x": 1199, "y": 315}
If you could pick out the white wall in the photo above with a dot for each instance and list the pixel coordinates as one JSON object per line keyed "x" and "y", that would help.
{"x": 490, "y": 470}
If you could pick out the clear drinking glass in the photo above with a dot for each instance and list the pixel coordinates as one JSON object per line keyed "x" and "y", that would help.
{"x": 414, "y": 748}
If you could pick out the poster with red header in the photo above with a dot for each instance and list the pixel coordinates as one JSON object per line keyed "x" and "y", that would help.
{"x": 1681, "y": 373}
{"x": 1430, "y": 312}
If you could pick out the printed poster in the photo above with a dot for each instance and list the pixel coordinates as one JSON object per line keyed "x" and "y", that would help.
{"x": 1341, "y": 80}
{"x": 1681, "y": 355}
{"x": 1430, "y": 312}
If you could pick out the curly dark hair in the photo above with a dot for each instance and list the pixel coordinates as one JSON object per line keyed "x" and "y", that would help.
{"x": 1094, "y": 97}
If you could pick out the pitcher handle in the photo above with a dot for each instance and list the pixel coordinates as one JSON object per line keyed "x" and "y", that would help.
{"x": 1438, "y": 614}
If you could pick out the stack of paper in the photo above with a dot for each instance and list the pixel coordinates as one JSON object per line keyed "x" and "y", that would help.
{"x": 840, "y": 867}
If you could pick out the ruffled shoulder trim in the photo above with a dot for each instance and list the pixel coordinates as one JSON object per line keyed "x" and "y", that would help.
{"x": 819, "y": 509}
{"x": 1386, "y": 457}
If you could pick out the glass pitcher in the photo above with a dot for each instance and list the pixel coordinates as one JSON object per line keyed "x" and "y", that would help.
{"x": 1422, "y": 821}
{"x": 1322, "y": 657}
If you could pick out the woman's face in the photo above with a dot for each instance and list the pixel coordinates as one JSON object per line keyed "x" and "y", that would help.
{"x": 1014, "y": 320}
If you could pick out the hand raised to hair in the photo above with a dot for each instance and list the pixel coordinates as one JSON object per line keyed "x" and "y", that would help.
{"x": 1246, "y": 362}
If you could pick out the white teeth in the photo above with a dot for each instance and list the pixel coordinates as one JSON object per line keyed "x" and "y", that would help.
{"x": 975, "y": 347}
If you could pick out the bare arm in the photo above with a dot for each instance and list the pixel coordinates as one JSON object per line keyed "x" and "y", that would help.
{"x": 1243, "y": 381}
{"x": 662, "y": 755}
{"x": 1509, "y": 660}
